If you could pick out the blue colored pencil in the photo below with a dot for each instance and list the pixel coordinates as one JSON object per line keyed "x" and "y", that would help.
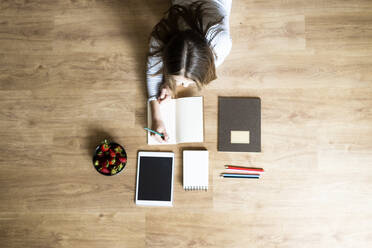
{"x": 232, "y": 175}
{"x": 152, "y": 131}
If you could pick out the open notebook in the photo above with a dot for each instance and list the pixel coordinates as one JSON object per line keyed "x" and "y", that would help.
{"x": 195, "y": 170}
{"x": 183, "y": 120}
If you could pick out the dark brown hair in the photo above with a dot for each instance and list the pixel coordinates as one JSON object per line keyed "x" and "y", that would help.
{"x": 182, "y": 43}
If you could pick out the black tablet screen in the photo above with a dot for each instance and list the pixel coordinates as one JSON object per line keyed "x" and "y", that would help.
{"x": 155, "y": 179}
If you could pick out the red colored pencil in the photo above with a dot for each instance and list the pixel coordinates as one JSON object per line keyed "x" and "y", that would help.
{"x": 233, "y": 167}
{"x": 235, "y": 173}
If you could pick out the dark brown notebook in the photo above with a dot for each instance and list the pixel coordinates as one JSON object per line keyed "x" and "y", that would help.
{"x": 239, "y": 124}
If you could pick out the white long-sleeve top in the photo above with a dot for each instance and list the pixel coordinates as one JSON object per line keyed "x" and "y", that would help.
{"x": 221, "y": 45}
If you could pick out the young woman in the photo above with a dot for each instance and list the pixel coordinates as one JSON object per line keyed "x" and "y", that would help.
{"x": 186, "y": 46}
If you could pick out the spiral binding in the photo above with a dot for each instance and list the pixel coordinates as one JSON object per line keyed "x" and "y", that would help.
{"x": 192, "y": 188}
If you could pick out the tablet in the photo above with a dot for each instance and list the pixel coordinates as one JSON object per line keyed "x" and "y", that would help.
{"x": 154, "y": 185}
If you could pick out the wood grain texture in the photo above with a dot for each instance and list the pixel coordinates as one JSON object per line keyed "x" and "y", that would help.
{"x": 72, "y": 74}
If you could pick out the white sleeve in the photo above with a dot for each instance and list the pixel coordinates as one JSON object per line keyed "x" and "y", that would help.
{"x": 154, "y": 75}
{"x": 226, "y": 5}
{"x": 221, "y": 43}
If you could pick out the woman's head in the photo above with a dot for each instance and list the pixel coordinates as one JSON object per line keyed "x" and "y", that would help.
{"x": 187, "y": 56}
{"x": 186, "y": 53}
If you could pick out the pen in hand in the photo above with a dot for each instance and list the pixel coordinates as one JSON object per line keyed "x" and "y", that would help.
{"x": 152, "y": 131}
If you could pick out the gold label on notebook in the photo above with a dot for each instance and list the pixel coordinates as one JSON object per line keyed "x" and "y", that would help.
{"x": 239, "y": 137}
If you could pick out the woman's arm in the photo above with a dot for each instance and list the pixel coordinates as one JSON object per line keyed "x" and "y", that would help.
{"x": 154, "y": 77}
{"x": 221, "y": 43}
{"x": 157, "y": 122}
{"x": 226, "y": 5}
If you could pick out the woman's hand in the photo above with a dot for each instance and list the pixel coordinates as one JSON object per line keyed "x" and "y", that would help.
{"x": 165, "y": 93}
{"x": 158, "y": 126}
{"x": 157, "y": 123}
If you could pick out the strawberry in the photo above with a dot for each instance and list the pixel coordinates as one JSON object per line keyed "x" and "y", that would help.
{"x": 100, "y": 154}
{"x": 104, "y": 163}
{"x": 105, "y": 147}
{"x": 112, "y": 153}
{"x": 105, "y": 170}
{"x": 123, "y": 159}
{"x": 112, "y": 161}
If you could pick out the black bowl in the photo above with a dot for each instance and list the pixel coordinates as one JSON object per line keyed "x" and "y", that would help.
{"x": 110, "y": 144}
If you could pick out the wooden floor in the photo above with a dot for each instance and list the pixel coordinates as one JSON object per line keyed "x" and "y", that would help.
{"x": 72, "y": 74}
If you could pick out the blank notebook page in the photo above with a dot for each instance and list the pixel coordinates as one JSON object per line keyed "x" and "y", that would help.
{"x": 195, "y": 170}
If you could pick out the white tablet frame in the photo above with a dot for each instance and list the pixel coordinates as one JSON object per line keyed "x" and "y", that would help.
{"x": 154, "y": 154}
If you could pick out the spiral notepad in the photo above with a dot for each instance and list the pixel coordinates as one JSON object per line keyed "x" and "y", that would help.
{"x": 195, "y": 170}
